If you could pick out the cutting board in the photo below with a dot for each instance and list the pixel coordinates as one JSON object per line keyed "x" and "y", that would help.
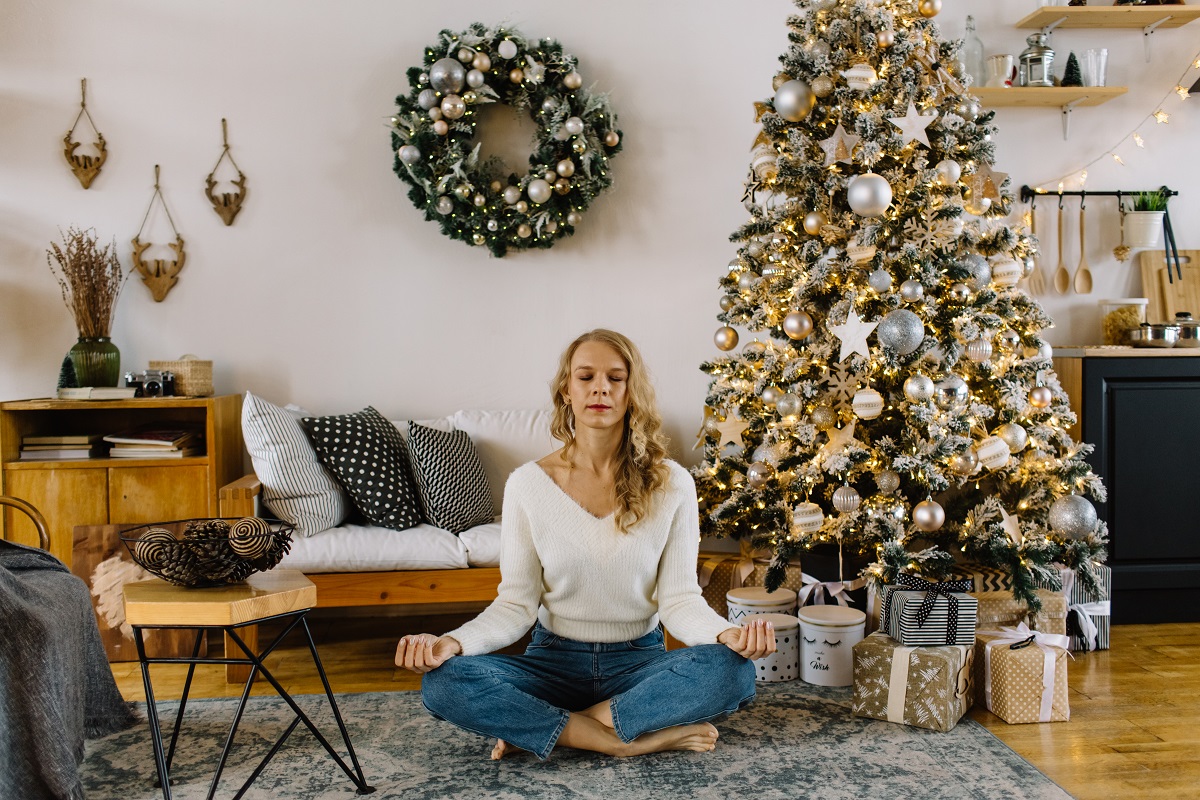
{"x": 1167, "y": 297}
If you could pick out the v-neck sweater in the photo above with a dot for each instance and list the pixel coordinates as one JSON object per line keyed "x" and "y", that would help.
{"x": 584, "y": 579}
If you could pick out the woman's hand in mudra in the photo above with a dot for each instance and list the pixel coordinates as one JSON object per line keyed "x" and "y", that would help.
{"x": 424, "y": 652}
{"x": 754, "y": 640}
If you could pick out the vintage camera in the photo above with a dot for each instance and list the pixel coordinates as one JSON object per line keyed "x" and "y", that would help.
{"x": 152, "y": 383}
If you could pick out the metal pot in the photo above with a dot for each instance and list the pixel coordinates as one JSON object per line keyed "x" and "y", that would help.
{"x": 1162, "y": 334}
{"x": 1189, "y": 330}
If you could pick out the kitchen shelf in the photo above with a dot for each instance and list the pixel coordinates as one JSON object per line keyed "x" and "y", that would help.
{"x": 1167, "y": 16}
{"x": 1046, "y": 96}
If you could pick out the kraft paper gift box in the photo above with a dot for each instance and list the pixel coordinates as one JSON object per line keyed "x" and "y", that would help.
{"x": 1089, "y": 615}
{"x": 752, "y": 570}
{"x": 926, "y": 687}
{"x": 1022, "y": 675}
{"x": 715, "y": 574}
{"x": 917, "y": 612}
{"x": 1000, "y": 609}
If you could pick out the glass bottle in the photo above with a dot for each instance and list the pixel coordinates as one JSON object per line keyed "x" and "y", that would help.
{"x": 972, "y": 54}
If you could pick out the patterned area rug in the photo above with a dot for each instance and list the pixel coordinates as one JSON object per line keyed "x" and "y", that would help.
{"x": 796, "y": 740}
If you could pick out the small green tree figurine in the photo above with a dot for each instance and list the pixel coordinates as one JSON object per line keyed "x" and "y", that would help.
{"x": 1072, "y": 75}
{"x": 66, "y": 374}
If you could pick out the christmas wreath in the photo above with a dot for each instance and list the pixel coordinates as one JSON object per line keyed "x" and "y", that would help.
{"x": 479, "y": 201}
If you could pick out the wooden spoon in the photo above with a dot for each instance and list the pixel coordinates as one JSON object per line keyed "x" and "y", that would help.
{"x": 1062, "y": 278}
{"x": 1036, "y": 282}
{"x": 1083, "y": 275}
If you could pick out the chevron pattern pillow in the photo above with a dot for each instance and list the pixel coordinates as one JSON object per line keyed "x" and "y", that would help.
{"x": 454, "y": 488}
{"x": 366, "y": 454}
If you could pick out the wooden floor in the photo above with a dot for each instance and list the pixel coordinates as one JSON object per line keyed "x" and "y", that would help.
{"x": 1135, "y": 709}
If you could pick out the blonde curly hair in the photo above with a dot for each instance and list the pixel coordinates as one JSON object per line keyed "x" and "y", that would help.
{"x": 641, "y": 470}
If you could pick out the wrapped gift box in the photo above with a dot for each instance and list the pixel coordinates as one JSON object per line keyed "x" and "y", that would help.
{"x": 1022, "y": 681}
{"x": 1000, "y": 609}
{"x": 715, "y": 574}
{"x": 947, "y": 623}
{"x": 1089, "y": 615}
{"x": 983, "y": 578}
{"x": 927, "y": 687}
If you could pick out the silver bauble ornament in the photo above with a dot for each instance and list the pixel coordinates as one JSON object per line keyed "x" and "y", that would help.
{"x": 888, "y": 481}
{"x": 789, "y": 405}
{"x": 453, "y": 106}
{"x": 979, "y": 269}
{"x": 911, "y": 291}
{"x": 538, "y": 190}
{"x": 993, "y": 452}
{"x": 1072, "y": 516}
{"x": 409, "y": 154}
{"x": 475, "y": 79}
{"x": 814, "y": 221}
{"x": 479, "y": 200}
{"x": 846, "y": 499}
{"x": 807, "y": 518}
{"x": 447, "y": 75}
{"x": 918, "y": 388}
{"x": 823, "y": 418}
{"x": 901, "y": 330}
{"x": 1008, "y": 338}
{"x": 869, "y": 194}
{"x": 770, "y": 395}
{"x": 794, "y": 100}
{"x": 867, "y": 403}
{"x": 748, "y": 280}
{"x": 964, "y": 463}
{"x": 493, "y": 225}
{"x": 1013, "y": 435}
{"x": 726, "y": 338}
{"x": 507, "y": 49}
{"x": 928, "y": 515}
{"x": 948, "y": 172}
{"x": 1040, "y": 397}
{"x": 960, "y": 292}
{"x": 979, "y": 350}
{"x": 950, "y": 392}
{"x": 444, "y": 205}
{"x": 758, "y": 473}
{"x": 822, "y": 86}
{"x": 880, "y": 280}
{"x": 512, "y": 194}
{"x": 820, "y": 48}
{"x": 574, "y": 126}
{"x": 427, "y": 99}
{"x": 797, "y": 325}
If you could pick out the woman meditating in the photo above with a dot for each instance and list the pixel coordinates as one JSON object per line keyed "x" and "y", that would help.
{"x": 599, "y": 542}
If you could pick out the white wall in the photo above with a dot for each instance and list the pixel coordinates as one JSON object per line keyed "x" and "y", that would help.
{"x": 331, "y": 290}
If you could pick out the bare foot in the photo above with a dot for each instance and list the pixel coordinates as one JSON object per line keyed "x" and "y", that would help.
{"x": 700, "y": 738}
{"x": 503, "y": 749}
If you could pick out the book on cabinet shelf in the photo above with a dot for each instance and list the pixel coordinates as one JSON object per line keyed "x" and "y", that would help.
{"x": 154, "y": 452}
{"x": 59, "y": 454}
{"x": 147, "y": 437}
{"x": 97, "y": 393}
{"x": 85, "y": 439}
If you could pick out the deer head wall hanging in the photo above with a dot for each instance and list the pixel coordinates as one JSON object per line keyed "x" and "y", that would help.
{"x": 85, "y": 167}
{"x": 158, "y": 273}
{"x": 226, "y": 204}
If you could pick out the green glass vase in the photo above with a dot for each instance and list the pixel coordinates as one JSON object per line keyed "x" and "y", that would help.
{"x": 97, "y": 361}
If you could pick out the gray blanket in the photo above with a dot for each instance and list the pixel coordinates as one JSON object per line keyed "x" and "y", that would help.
{"x": 56, "y": 687}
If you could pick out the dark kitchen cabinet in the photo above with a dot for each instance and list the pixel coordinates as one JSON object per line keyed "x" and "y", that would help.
{"x": 1141, "y": 411}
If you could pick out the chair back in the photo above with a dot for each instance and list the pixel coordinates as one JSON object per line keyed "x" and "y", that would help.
{"x": 39, "y": 521}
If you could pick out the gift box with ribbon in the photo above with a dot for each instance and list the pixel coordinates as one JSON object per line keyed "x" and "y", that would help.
{"x": 1089, "y": 614}
{"x": 1022, "y": 674}
{"x": 983, "y": 578}
{"x": 927, "y": 687}
{"x": 754, "y": 563}
{"x": 716, "y": 575}
{"x": 832, "y": 578}
{"x": 918, "y": 612}
{"x": 1001, "y": 609}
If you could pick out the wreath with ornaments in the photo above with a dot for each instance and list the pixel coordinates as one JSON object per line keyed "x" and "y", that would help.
{"x": 482, "y": 202}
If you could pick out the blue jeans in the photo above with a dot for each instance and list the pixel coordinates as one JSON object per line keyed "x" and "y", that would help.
{"x": 526, "y": 700}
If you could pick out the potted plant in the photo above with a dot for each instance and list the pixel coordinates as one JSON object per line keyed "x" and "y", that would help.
{"x": 1144, "y": 224}
{"x": 91, "y": 278}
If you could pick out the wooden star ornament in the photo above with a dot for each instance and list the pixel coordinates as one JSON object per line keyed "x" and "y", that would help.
{"x": 913, "y": 124}
{"x": 853, "y": 334}
{"x": 731, "y": 431}
{"x": 840, "y": 146}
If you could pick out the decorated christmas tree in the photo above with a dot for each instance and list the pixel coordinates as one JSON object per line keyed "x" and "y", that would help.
{"x": 889, "y": 395}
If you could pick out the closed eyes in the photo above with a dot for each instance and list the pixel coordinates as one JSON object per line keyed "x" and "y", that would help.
{"x": 810, "y": 641}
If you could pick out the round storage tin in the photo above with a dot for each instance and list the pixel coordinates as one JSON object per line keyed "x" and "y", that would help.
{"x": 783, "y": 664}
{"x": 749, "y": 600}
{"x": 827, "y": 634}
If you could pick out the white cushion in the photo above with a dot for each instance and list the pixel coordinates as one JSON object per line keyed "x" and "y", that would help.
{"x": 505, "y": 440}
{"x": 296, "y": 486}
{"x": 483, "y": 544}
{"x": 360, "y": 548}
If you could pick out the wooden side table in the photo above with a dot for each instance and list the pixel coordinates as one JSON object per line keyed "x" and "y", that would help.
{"x": 284, "y": 595}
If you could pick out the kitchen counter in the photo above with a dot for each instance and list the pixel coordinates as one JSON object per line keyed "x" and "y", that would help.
{"x": 1122, "y": 351}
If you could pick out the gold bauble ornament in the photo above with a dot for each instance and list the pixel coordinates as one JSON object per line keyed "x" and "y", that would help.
{"x": 516, "y": 75}
{"x": 1041, "y": 397}
{"x": 612, "y": 138}
{"x": 822, "y": 86}
{"x": 814, "y": 221}
{"x": 929, "y": 8}
{"x": 886, "y": 38}
{"x": 726, "y": 338}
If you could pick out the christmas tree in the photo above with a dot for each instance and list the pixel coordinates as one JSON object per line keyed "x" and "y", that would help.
{"x": 900, "y": 404}
{"x": 1072, "y": 76}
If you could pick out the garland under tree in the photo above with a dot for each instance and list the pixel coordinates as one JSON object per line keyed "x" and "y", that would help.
{"x": 479, "y": 201}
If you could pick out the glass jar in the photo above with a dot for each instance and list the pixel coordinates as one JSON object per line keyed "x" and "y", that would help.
{"x": 1119, "y": 316}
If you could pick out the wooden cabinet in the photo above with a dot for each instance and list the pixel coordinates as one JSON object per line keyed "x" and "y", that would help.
{"x": 100, "y": 491}
{"x": 1139, "y": 408}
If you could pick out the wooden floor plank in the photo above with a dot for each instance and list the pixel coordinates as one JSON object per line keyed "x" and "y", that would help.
{"x": 1135, "y": 709}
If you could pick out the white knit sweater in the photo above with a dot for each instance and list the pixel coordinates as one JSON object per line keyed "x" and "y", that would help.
{"x": 584, "y": 579}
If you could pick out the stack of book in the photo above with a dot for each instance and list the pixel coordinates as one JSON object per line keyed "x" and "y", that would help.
{"x": 156, "y": 443}
{"x": 60, "y": 448}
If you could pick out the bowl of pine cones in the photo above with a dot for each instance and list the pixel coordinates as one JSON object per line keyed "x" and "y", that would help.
{"x": 208, "y": 552}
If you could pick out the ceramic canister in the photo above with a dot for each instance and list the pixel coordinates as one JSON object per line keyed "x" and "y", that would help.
{"x": 783, "y": 664}
{"x": 827, "y": 634}
{"x": 749, "y": 600}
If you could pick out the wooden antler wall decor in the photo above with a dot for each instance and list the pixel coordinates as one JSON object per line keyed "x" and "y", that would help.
{"x": 227, "y": 204}
{"x": 85, "y": 167}
{"x": 159, "y": 274}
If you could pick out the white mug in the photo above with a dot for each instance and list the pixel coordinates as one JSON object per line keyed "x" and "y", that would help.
{"x": 1000, "y": 70}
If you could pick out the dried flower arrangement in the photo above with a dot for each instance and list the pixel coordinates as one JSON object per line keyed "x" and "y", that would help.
{"x": 90, "y": 277}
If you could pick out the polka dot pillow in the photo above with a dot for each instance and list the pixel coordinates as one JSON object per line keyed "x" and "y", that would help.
{"x": 367, "y": 456}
